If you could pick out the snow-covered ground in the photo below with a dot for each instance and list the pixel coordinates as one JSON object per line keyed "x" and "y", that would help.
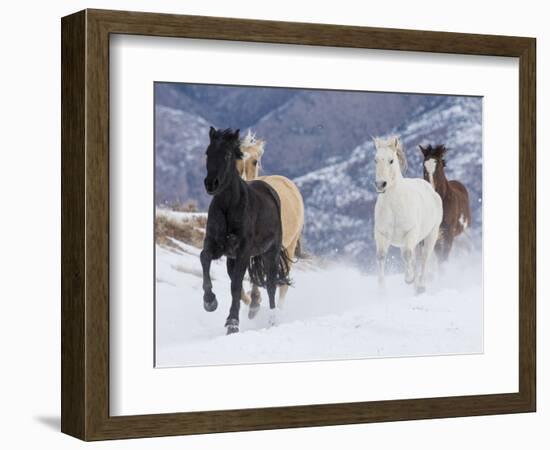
{"x": 331, "y": 312}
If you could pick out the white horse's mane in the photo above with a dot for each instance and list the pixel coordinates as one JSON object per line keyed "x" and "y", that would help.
{"x": 395, "y": 143}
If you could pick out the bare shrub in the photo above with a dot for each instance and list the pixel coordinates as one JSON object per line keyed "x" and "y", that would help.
{"x": 189, "y": 206}
{"x": 189, "y": 230}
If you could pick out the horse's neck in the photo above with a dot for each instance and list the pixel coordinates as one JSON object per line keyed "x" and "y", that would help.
{"x": 395, "y": 192}
{"x": 398, "y": 183}
{"x": 233, "y": 195}
{"x": 441, "y": 184}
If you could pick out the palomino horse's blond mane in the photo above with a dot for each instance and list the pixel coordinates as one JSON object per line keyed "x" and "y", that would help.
{"x": 252, "y": 150}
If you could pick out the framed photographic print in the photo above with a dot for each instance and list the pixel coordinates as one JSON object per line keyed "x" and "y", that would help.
{"x": 270, "y": 224}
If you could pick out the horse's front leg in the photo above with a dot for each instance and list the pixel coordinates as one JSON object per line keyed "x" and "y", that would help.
{"x": 382, "y": 246}
{"x": 255, "y": 300}
{"x": 237, "y": 272}
{"x": 427, "y": 251}
{"x": 447, "y": 244}
{"x": 408, "y": 255}
{"x": 208, "y": 253}
{"x": 444, "y": 243}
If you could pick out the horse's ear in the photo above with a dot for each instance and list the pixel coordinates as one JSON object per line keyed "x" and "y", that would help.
{"x": 396, "y": 142}
{"x": 212, "y": 133}
{"x": 236, "y": 134}
{"x": 239, "y": 154}
{"x": 423, "y": 150}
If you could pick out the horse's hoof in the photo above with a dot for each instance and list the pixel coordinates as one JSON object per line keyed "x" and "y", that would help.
{"x": 232, "y": 326}
{"x": 209, "y": 298}
{"x": 232, "y": 330}
{"x": 211, "y": 306}
{"x": 253, "y": 311}
{"x": 209, "y": 302}
{"x": 409, "y": 280}
{"x": 273, "y": 319}
{"x": 420, "y": 290}
{"x": 255, "y": 297}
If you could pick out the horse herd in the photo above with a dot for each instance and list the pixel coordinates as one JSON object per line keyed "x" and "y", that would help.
{"x": 256, "y": 222}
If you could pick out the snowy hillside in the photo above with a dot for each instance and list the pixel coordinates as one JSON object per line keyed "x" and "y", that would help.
{"x": 181, "y": 139}
{"x": 331, "y": 312}
{"x": 340, "y": 198}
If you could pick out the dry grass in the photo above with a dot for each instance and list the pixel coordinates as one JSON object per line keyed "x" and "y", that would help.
{"x": 189, "y": 230}
{"x": 189, "y": 206}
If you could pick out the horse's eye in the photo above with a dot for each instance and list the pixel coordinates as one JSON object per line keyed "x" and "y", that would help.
{"x": 391, "y": 161}
{"x": 255, "y": 163}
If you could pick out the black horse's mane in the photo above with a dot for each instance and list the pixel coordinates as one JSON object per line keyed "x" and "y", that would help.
{"x": 226, "y": 134}
{"x": 435, "y": 151}
{"x": 231, "y": 137}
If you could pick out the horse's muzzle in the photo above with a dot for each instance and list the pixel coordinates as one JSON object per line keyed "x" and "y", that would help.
{"x": 380, "y": 186}
{"x": 211, "y": 185}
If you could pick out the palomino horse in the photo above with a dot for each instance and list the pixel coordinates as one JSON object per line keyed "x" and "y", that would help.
{"x": 457, "y": 215}
{"x": 408, "y": 212}
{"x": 292, "y": 209}
{"x": 244, "y": 224}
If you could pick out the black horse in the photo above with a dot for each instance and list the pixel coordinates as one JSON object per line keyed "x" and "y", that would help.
{"x": 244, "y": 224}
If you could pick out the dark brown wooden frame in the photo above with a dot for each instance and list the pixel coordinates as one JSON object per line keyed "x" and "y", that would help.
{"x": 85, "y": 224}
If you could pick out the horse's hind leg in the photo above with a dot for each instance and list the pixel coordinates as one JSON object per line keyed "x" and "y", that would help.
{"x": 254, "y": 302}
{"x": 271, "y": 262}
{"x": 283, "y": 289}
{"x": 245, "y": 297}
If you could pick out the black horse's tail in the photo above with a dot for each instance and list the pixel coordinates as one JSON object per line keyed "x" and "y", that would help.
{"x": 258, "y": 274}
{"x": 298, "y": 253}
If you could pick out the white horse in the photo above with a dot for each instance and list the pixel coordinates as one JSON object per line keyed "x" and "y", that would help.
{"x": 408, "y": 212}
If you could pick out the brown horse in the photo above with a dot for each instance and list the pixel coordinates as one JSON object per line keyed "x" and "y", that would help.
{"x": 292, "y": 209}
{"x": 457, "y": 215}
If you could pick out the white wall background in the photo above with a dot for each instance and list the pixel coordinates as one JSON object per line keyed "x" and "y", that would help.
{"x": 30, "y": 221}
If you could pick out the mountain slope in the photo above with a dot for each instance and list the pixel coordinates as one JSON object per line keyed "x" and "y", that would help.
{"x": 314, "y": 127}
{"x": 225, "y": 106}
{"x": 181, "y": 139}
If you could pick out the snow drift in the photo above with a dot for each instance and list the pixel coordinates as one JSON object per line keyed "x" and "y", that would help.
{"x": 334, "y": 311}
